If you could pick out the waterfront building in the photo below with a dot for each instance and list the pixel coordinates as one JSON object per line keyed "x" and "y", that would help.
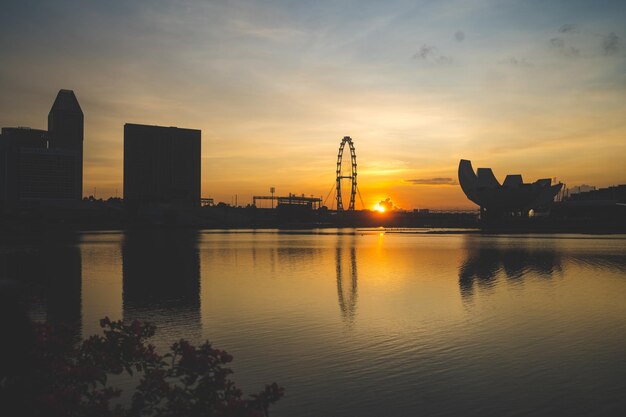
{"x": 161, "y": 166}
{"x": 513, "y": 197}
{"x": 595, "y": 206}
{"x": 38, "y": 166}
{"x": 65, "y": 130}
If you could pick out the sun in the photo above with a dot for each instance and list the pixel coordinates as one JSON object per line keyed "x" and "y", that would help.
{"x": 379, "y": 208}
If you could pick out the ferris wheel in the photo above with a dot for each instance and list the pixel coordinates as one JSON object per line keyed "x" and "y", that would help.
{"x": 341, "y": 176}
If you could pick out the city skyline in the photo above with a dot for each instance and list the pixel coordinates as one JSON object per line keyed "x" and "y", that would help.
{"x": 523, "y": 88}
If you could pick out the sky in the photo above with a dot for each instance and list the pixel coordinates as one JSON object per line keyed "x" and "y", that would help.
{"x": 536, "y": 88}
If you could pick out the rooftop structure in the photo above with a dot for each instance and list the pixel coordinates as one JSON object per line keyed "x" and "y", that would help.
{"x": 511, "y": 198}
{"x": 313, "y": 203}
{"x": 614, "y": 194}
{"x": 65, "y": 122}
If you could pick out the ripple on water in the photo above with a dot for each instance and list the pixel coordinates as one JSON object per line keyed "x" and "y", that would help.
{"x": 356, "y": 323}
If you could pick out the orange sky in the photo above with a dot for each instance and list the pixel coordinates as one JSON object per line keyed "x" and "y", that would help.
{"x": 274, "y": 86}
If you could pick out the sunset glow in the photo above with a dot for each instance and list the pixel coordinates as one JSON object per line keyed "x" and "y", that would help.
{"x": 274, "y": 86}
{"x": 379, "y": 208}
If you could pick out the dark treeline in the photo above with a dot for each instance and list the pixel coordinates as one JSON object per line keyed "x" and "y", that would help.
{"x": 94, "y": 214}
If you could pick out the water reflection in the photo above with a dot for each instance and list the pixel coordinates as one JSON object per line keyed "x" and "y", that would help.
{"x": 161, "y": 278}
{"x": 346, "y": 268}
{"x": 615, "y": 261}
{"x": 296, "y": 256}
{"x": 267, "y": 299}
{"x": 51, "y": 274}
{"x": 486, "y": 260}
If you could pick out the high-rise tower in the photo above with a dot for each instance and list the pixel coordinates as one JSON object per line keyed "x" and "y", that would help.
{"x": 161, "y": 165}
{"x": 65, "y": 129}
{"x": 44, "y": 167}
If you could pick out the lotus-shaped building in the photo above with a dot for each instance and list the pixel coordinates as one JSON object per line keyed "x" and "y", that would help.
{"x": 513, "y": 197}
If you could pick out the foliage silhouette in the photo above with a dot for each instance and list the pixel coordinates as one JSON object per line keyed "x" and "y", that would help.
{"x": 64, "y": 377}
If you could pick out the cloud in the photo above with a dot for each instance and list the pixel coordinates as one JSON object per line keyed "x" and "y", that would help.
{"x": 459, "y": 36}
{"x": 611, "y": 44}
{"x": 387, "y": 204}
{"x": 432, "y": 181}
{"x": 429, "y": 53}
{"x": 425, "y": 52}
{"x": 557, "y": 42}
{"x": 563, "y": 47}
{"x": 568, "y": 28}
{"x": 517, "y": 62}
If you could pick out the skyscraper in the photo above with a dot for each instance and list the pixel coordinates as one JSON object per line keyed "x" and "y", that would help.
{"x": 38, "y": 166}
{"x": 161, "y": 165}
{"x": 65, "y": 129}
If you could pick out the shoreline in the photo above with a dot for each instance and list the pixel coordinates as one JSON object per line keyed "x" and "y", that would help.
{"x": 55, "y": 229}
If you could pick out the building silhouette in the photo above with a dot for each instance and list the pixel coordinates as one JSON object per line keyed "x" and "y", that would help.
{"x": 161, "y": 165}
{"x": 65, "y": 129}
{"x": 38, "y": 166}
{"x": 512, "y": 198}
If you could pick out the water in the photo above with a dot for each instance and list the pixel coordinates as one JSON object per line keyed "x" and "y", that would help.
{"x": 361, "y": 322}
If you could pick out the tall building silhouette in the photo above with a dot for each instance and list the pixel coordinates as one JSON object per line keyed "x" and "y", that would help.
{"x": 38, "y": 166}
{"x": 161, "y": 165}
{"x": 65, "y": 130}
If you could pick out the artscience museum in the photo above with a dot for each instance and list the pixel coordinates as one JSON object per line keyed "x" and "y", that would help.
{"x": 511, "y": 198}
